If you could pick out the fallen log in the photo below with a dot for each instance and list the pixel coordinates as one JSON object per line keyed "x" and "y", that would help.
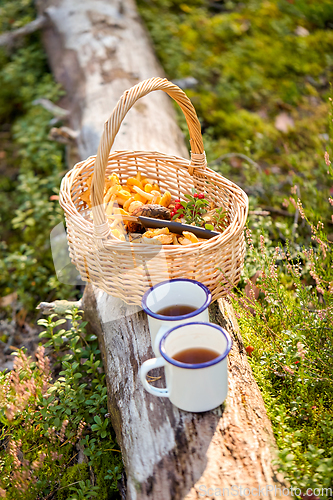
{"x": 169, "y": 453}
{"x": 97, "y": 50}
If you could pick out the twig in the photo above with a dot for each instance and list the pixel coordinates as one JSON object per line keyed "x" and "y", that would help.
{"x": 232, "y": 155}
{"x": 278, "y": 211}
{"x": 296, "y": 215}
{"x": 66, "y": 442}
{"x": 58, "y": 306}
{"x": 51, "y": 107}
{"x": 9, "y": 37}
{"x": 72, "y": 459}
{"x": 153, "y": 379}
{"x": 50, "y": 495}
{"x": 62, "y": 487}
{"x": 64, "y": 135}
{"x": 259, "y": 212}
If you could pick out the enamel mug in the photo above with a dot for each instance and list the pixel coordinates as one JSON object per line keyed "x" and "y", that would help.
{"x": 192, "y": 387}
{"x": 169, "y": 293}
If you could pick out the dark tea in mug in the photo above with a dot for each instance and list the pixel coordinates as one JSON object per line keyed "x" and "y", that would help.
{"x": 195, "y": 355}
{"x": 176, "y": 310}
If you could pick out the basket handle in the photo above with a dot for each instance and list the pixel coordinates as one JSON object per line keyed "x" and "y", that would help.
{"x": 112, "y": 125}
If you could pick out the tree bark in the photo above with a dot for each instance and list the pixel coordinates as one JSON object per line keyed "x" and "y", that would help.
{"x": 98, "y": 49}
{"x": 170, "y": 454}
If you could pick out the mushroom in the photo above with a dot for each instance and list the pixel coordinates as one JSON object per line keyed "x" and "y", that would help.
{"x": 190, "y": 236}
{"x": 155, "y": 211}
{"x": 166, "y": 199}
{"x": 135, "y": 204}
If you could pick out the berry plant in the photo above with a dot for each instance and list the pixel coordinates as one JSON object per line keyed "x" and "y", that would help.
{"x": 191, "y": 210}
{"x": 195, "y": 212}
{"x": 55, "y": 436}
{"x": 285, "y": 313}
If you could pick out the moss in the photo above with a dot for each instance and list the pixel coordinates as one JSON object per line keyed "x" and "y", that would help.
{"x": 254, "y": 60}
{"x": 78, "y": 472}
{"x": 108, "y": 472}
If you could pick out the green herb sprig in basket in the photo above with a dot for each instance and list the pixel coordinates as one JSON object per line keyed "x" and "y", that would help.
{"x": 195, "y": 212}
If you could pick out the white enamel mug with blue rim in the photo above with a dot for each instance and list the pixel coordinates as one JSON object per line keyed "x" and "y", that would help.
{"x": 170, "y": 293}
{"x": 192, "y": 387}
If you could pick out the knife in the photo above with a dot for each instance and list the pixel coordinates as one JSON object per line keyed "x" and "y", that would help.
{"x": 174, "y": 227}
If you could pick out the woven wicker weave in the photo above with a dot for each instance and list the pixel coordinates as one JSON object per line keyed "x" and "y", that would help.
{"x": 127, "y": 270}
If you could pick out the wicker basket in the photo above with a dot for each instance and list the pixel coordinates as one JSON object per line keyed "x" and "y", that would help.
{"x": 127, "y": 270}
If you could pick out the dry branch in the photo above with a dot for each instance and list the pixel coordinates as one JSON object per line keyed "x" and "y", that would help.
{"x": 52, "y": 108}
{"x": 9, "y": 37}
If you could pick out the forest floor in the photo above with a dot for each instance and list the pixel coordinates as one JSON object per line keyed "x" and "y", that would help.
{"x": 259, "y": 74}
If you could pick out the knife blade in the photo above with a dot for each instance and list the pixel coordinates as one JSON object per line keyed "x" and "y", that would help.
{"x": 177, "y": 227}
{"x": 174, "y": 227}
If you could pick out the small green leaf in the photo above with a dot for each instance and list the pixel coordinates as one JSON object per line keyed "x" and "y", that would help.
{"x": 98, "y": 420}
{"x": 42, "y": 322}
{"x": 90, "y": 338}
{"x": 44, "y": 334}
{"x": 60, "y": 322}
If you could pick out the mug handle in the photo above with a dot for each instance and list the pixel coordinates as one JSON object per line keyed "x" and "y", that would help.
{"x": 145, "y": 368}
{"x": 163, "y": 329}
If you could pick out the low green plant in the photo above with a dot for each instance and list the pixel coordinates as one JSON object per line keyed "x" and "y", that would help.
{"x": 285, "y": 314}
{"x": 191, "y": 210}
{"x": 45, "y": 424}
{"x": 219, "y": 220}
{"x": 84, "y": 491}
{"x": 194, "y": 210}
{"x": 31, "y": 166}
